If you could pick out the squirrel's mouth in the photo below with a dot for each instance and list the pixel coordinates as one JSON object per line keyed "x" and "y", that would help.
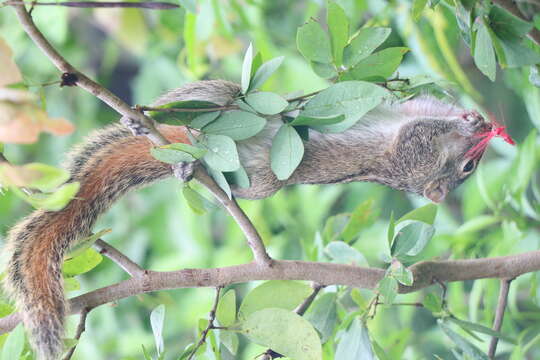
{"x": 486, "y": 132}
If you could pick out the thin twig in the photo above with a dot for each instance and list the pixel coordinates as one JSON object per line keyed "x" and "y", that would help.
{"x": 211, "y": 319}
{"x": 415, "y": 304}
{"x": 154, "y": 5}
{"x": 302, "y": 308}
{"x": 82, "y": 80}
{"x": 444, "y": 291}
{"x": 80, "y": 329}
{"x": 499, "y": 314}
{"x": 188, "y": 110}
{"x": 119, "y": 258}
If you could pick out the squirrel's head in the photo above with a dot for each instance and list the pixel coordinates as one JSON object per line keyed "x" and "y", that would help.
{"x": 438, "y": 155}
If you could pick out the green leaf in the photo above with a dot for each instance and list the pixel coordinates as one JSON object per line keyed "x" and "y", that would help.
{"x": 363, "y": 44}
{"x": 506, "y": 25}
{"x": 342, "y": 253}
{"x": 222, "y": 154}
{"x": 401, "y": 273}
{"x": 317, "y": 121}
{"x": 266, "y": 103}
{"x": 226, "y": 309}
{"x": 264, "y": 72}
{"x": 338, "y": 26}
{"x": 362, "y": 217}
{"x": 526, "y": 164}
{"x": 313, "y": 42}
{"x": 286, "y": 152}
{"x": 14, "y": 345}
{"x": 173, "y": 155}
{"x": 323, "y": 70}
{"x": 379, "y": 351}
{"x": 146, "y": 354}
{"x": 255, "y": 65}
{"x": 463, "y": 344}
{"x": 86, "y": 243}
{"x": 230, "y": 340}
{"x": 417, "y": 9}
{"x": 50, "y": 177}
{"x": 350, "y": 98}
{"x": 221, "y": 180}
{"x": 157, "y": 317}
{"x": 284, "y": 332}
{"x": 71, "y": 284}
{"x": 236, "y": 124}
{"x": 411, "y": 238}
{"x": 322, "y": 314}
{"x": 204, "y": 119}
{"x": 81, "y": 264}
{"x": 467, "y": 325}
{"x": 246, "y": 69}
{"x": 179, "y": 117}
{"x": 484, "y": 55}
{"x": 189, "y": 5}
{"x": 432, "y": 302}
{"x": 271, "y": 294}
{"x": 195, "y": 201}
{"x": 241, "y": 178}
{"x": 55, "y": 201}
{"x": 391, "y": 229}
{"x": 388, "y": 288}
{"x": 426, "y": 213}
{"x": 354, "y": 344}
{"x": 379, "y": 65}
{"x": 6, "y": 309}
{"x": 476, "y": 224}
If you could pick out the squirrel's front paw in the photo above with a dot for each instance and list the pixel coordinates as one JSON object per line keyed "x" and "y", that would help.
{"x": 184, "y": 170}
{"x": 471, "y": 122}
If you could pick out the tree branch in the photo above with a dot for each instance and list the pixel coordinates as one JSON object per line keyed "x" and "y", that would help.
{"x": 80, "y": 329}
{"x": 142, "y": 125}
{"x": 425, "y": 274}
{"x": 499, "y": 314}
{"x": 119, "y": 259}
{"x": 211, "y": 319}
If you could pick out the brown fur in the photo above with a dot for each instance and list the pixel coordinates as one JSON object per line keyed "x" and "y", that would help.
{"x": 418, "y": 146}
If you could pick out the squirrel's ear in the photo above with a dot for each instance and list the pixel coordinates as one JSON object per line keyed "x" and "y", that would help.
{"x": 435, "y": 192}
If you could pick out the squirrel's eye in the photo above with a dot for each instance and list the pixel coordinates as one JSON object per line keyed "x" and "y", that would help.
{"x": 469, "y": 166}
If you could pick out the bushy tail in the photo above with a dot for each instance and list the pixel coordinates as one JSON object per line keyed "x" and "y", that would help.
{"x": 34, "y": 280}
{"x": 111, "y": 163}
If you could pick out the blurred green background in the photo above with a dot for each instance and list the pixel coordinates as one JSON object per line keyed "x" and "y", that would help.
{"x": 140, "y": 54}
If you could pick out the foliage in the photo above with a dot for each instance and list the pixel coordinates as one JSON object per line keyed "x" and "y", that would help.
{"x": 348, "y": 57}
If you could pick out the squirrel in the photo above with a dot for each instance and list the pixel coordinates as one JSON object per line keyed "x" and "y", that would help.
{"x": 419, "y": 146}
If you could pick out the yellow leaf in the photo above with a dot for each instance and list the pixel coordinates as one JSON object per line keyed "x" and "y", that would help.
{"x": 18, "y": 175}
{"x": 10, "y": 72}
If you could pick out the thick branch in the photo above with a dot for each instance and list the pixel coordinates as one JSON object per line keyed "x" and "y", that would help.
{"x": 425, "y": 274}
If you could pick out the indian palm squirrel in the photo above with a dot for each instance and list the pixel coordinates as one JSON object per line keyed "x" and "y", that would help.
{"x": 419, "y": 146}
